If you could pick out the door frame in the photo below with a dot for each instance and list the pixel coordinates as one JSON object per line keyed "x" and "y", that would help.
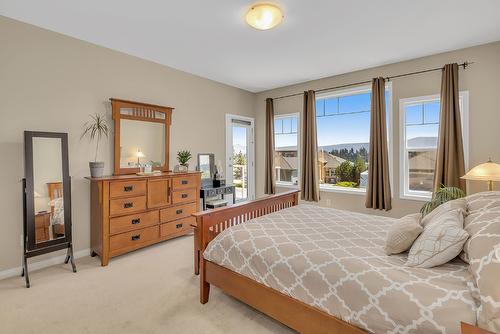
{"x": 250, "y": 152}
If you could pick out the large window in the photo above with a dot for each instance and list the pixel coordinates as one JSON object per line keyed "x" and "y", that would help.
{"x": 418, "y": 143}
{"x": 343, "y": 130}
{"x": 286, "y": 142}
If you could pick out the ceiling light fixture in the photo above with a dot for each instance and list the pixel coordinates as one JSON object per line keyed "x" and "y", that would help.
{"x": 264, "y": 16}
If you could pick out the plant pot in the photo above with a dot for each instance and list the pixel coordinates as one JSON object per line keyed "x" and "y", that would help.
{"x": 181, "y": 168}
{"x": 96, "y": 168}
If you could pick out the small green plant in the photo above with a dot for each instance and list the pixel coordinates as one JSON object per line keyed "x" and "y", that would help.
{"x": 183, "y": 157}
{"x": 442, "y": 195}
{"x": 96, "y": 129}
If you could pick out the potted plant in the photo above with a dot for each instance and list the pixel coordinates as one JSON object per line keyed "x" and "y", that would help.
{"x": 441, "y": 196}
{"x": 96, "y": 129}
{"x": 183, "y": 157}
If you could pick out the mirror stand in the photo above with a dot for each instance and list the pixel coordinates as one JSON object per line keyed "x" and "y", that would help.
{"x": 46, "y": 191}
{"x": 27, "y": 253}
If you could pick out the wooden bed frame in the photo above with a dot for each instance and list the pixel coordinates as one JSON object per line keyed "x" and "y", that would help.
{"x": 291, "y": 312}
{"x": 285, "y": 309}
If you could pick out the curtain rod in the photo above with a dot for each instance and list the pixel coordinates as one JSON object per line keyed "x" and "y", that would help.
{"x": 464, "y": 65}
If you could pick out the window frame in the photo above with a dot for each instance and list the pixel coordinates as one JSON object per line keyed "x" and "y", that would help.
{"x": 389, "y": 112}
{"x": 404, "y": 191}
{"x": 286, "y": 184}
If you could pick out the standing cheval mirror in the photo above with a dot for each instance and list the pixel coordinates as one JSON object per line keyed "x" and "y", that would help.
{"x": 46, "y": 196}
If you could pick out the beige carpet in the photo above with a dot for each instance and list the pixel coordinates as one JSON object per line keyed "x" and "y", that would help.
{"x": 148, "y": 291}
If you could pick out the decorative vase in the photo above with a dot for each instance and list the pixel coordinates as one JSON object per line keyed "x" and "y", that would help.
{"x": 181, "y": 168}
{"x": 96, "y": 168}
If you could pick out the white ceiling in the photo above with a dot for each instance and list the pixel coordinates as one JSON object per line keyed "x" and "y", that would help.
{"x": 318, "y": 38}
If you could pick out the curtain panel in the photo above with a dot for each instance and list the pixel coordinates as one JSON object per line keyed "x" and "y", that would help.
{"x": 270, "y": 185}
{"x": 450, "y": 162}
{"x": 378, "y": 190}
{"x": 309, "y": 184}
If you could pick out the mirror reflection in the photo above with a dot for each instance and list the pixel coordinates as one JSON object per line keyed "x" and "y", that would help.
{"x": 48, "y": 189}
{"x": 141, "y": 143}
{"x": 204, "y": 163}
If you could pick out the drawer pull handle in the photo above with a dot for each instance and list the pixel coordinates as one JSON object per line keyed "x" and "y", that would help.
{"x": 184, "y": 182}
{"x": 136, "y": 221}
{"x": 128, "y": 205}
{"x": 136, "y": 237}
{"x": 178, "y": 226}
{"x": 128, "y": 188}
{"x": 178, "y": 212}
{"x": 184, "y": 195}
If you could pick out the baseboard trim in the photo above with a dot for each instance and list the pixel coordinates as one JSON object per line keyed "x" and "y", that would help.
{"x": 12, "y": 272}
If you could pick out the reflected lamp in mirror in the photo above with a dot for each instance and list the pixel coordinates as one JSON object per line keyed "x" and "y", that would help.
{"x": 489, "y": 171}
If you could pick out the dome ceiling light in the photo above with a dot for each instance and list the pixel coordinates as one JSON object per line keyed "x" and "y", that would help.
{"x": 264, "y": 16}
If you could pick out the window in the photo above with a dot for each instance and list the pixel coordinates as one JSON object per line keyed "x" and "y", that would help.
{"x": 286, "y": 140}
{"x": 419, "y": 136}
{"x": 343, "y": 130}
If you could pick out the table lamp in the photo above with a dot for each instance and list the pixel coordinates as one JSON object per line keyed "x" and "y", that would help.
{"x": 139, "y": 155}
{"x": 489, "y": 171}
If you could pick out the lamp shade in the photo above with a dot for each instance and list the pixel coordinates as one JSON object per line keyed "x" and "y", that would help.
{"x": 139, "y": 154}
{"x": 489, "y": 171}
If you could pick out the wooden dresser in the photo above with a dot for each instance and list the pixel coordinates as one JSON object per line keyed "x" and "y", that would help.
{"x": 130, "y": 212}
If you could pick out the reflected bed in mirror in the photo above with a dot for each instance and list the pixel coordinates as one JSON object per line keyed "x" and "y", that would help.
{"x": 48, "y": 189}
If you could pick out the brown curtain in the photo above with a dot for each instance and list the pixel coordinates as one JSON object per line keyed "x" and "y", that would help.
{"x": 309, "y": 185}
{"x": 378, "y": 190}
{"x": 270, "y": 186}
{"x": 450, "y": 164}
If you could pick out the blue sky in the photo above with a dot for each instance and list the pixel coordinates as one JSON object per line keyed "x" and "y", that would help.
{"x": 347, "y": 120}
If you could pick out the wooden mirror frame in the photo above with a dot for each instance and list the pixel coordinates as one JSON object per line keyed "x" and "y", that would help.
{"x": 140, "y": 112}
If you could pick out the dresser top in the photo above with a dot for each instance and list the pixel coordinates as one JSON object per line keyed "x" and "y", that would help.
{"x": 139, "y": 177}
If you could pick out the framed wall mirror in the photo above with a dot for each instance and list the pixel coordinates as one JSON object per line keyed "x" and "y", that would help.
{"x": 142, "y": 136}
{"x": 47, "y": 196}
{"x": 206, "y": 165}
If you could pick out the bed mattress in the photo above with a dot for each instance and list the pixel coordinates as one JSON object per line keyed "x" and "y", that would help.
{"x": 334, "y": 260}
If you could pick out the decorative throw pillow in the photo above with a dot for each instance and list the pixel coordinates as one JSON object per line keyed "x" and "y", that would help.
{"x": 441, "y": 241}
{"x": 460, "y": 203}
{"x": 403, "y": 233}
{"x": 483, "y": 252}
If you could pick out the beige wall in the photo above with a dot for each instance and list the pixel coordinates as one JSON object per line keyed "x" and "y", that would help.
{"x": 51, "y": 82}
{"x": 482, "y": 80}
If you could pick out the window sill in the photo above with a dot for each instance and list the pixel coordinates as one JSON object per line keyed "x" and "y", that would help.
{"x": 414, "y": 197}
{"x": 287, "y": 185}
{"x": 342, "y": 190}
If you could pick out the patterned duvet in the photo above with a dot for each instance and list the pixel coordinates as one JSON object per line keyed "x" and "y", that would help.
{"x": 334, "y": 260}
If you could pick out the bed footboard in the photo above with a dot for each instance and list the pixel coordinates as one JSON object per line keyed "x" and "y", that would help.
{"x": 210, "y": 223}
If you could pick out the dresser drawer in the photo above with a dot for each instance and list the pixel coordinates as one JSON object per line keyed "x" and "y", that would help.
{"x": 177, "y": 212}
{"x": 184, "y": 196}
{"x": 125, "y": 206}
{"x": 127, "y": 189}
{"x": 133, "y": 222}
{"x": 185, "y": 182}
{"x": 133, "y": 239}
{"x": 177, "y": 226}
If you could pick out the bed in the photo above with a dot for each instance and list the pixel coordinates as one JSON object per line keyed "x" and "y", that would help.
{"x": 321, "y": 270}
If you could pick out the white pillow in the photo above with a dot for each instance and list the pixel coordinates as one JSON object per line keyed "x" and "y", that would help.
{"x": 444, "y": 208}
{"x": 441, "y": 241}
{"x": 403, "y": 233}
